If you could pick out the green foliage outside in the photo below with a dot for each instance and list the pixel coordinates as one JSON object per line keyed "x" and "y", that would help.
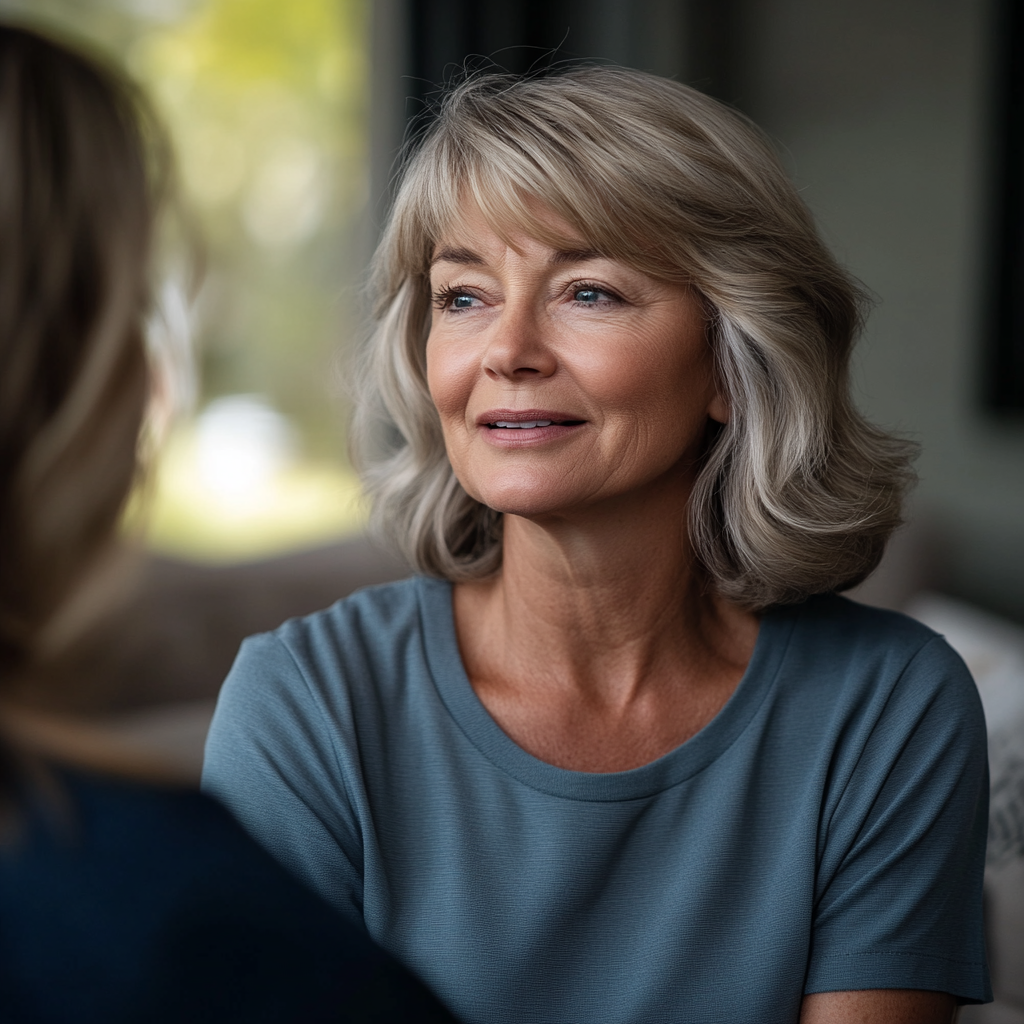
{"x": 265, "y": 103}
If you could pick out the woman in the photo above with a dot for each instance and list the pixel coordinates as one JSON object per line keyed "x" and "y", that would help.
{"x": 622, "y": 754}
{"x": 120, "y": 900}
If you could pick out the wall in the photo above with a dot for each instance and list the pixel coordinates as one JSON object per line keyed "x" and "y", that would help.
{"x": 882, "y": 110}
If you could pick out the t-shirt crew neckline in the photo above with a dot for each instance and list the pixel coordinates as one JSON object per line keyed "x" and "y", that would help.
{"x": 697, "y": 753}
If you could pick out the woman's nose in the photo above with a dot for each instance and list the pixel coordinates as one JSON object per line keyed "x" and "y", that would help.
{"x": 517, "y": 348}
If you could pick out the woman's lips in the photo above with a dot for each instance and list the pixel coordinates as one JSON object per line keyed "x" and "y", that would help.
{"x": 513, "y": 428}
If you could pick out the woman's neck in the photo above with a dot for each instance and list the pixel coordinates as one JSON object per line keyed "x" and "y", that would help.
{"x": 600, "y": 644}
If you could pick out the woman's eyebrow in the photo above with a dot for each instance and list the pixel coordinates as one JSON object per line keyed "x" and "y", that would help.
{"x": 452, "y": 254}
{"x": 563, "y": 256}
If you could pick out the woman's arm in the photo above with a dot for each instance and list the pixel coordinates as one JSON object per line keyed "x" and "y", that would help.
{"x": 898, "y": 896}
{"x": 878, "y": 1006}
{"x": 271, "y": 760}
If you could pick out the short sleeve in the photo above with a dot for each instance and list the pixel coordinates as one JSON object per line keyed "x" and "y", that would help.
{"x": 271, "y": 759}
{"x": 898, "y": 901}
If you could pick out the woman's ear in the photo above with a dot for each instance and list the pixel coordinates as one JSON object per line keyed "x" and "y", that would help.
{"x": 718, "y": 409}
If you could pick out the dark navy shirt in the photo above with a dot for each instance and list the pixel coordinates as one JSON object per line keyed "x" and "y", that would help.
{"x": 825, "y": 831}
{"x": 126, "y": 903}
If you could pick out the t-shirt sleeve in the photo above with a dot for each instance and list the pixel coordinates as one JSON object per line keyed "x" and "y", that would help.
{"x": 898, "y": 901}
{"x": 272, "y": 760}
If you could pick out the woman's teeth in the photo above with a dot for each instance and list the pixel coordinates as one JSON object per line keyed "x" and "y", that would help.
{"x": 525, "y": 425}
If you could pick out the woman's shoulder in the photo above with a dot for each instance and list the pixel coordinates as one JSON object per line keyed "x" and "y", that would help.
{"x": 867, "y": 651}
{"x": 375, "y": 614}
{"x": 834, "y": 624}
{"x": 853, "y": 619}
{"x": 373, "y": 639}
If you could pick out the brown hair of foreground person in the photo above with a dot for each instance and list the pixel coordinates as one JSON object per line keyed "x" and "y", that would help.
{"x": 797, "y": 494}
{"x": 120, "y": 900}
{"x": 77, "y": 204}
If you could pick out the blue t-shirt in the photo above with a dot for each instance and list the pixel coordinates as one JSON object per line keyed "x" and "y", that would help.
{"x": 825, "y": 831}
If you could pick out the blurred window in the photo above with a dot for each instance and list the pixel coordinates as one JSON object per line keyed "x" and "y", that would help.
{"x": 264, "y": 100}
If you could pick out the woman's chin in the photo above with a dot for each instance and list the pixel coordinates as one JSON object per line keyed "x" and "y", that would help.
{"x": 530, "y": 502}
{"x": 520, "y": 505}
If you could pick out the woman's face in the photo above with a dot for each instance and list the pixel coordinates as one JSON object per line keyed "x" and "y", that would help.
{"x": 563, "y": 378}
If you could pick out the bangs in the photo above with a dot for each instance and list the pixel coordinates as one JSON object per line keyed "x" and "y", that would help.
{"x": 515, "y": 199}
{"x": 515, "y": 163}
{"x": 640, "y": 169}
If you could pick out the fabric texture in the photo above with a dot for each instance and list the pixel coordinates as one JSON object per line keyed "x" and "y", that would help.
{"x": 124, "y": 903}
{"x": 825, "y": 831}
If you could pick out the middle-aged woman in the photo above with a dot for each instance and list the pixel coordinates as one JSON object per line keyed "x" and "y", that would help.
{"x": 620, "y": 754}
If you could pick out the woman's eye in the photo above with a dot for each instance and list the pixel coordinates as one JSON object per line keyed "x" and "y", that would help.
{"x": 450, "y": 300}
{"x": 589, "y": 296}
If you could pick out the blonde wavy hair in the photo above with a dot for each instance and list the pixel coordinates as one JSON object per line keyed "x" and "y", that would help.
{"x": 797, "y": 493}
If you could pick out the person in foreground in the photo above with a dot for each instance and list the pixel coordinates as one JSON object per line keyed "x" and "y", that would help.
{"x": 620, "y": 753}
{"x": 120, "y": 900}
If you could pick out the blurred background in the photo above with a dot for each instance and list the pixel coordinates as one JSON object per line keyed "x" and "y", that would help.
{"x": 266, "y": 106}
{"x": 251, "y": 512}
{"x": 902, "y": 121}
